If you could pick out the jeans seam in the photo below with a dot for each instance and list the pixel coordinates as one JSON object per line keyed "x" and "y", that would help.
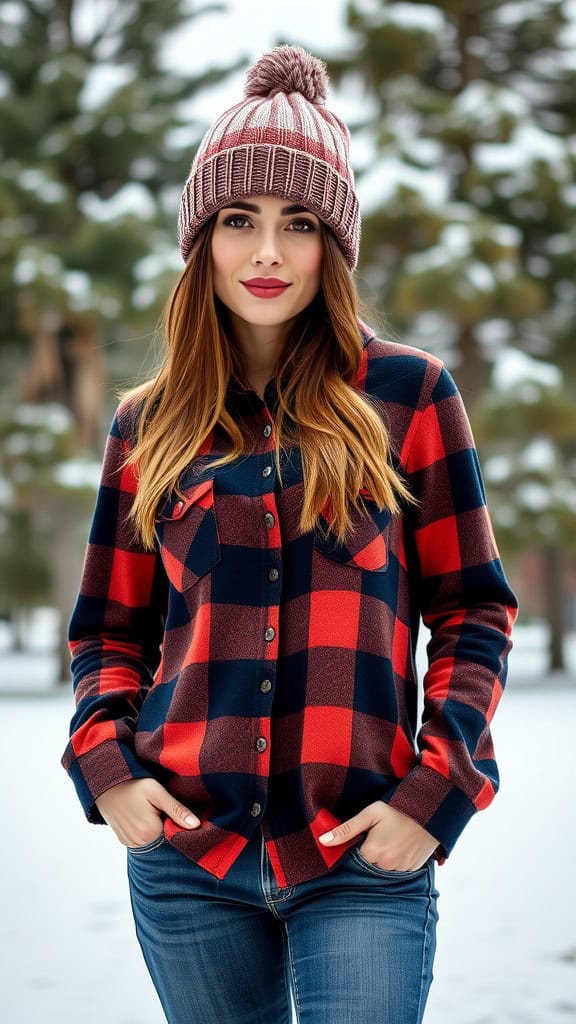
{"x": 293, "y": 974}
{"x": 286, "y": 970}
{"x": 425, "y": 945}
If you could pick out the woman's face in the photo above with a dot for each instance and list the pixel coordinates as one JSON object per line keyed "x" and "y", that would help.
{"x": 267, "y": 238}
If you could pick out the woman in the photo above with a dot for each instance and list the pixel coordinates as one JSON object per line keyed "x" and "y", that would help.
{"x": 278, "y": 508}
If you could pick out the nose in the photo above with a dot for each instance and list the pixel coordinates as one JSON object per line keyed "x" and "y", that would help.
{"x": 266, "y": 249}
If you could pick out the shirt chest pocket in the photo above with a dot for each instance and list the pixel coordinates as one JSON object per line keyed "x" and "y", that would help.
{"x": 367, "y": 547}
{"x": 187, "y": 534}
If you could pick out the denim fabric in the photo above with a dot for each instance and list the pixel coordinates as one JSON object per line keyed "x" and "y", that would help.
{"x": 354, "y": 946}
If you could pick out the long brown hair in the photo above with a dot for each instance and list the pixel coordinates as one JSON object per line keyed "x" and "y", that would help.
{"x": 343, "y": 441}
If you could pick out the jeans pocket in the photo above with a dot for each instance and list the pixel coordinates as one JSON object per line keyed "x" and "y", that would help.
{"x": 154, "y": 844}
{"x": 375, "y": 869}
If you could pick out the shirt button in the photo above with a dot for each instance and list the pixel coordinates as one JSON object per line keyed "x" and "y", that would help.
{"x": 265, "y": 686}
{"x": 178, "y": 508}
{"x": 255, "y": 810}
{"x": 273, "y": 575}
{"x": 267, "y": 470}
{"x": 267, "y": 430}
{"x": 269, "y": 519}
{"x": 270, "y": 633}
{"x": 261, "y": 744}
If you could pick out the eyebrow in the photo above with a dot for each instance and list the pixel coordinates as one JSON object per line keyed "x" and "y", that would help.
{"x": 286, "y": 211}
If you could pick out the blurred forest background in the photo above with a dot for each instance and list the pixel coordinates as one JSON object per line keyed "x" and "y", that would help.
{"x": 464, "y": 147}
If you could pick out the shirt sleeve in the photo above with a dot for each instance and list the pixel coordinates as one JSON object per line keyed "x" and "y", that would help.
{"x": 466, "y": 602}
{"x": 115, "y": 635}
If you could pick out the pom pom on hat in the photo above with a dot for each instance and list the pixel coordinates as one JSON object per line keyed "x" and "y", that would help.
{"x": 288, "y": 69}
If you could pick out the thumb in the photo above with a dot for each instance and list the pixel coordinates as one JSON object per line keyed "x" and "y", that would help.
{"x": 347, "y": 829}
{"x": 180, "y": 814}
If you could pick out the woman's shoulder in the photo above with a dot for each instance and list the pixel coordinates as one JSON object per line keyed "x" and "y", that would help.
{"x": 401, "y": 373}
{"x": 128, "y": 412}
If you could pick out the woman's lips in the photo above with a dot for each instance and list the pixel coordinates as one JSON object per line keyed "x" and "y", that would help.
{"x": 265, "y": 293}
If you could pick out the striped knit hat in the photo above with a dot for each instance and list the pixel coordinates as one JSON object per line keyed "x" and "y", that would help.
{"x": 280, "y": 140}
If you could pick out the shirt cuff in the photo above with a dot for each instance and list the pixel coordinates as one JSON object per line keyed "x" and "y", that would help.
{"x": 106, "y": 765}
{"x": 435, "y": 803}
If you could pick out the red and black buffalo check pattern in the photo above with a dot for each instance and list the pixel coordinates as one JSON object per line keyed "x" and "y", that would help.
{"x": 265, "y": 676}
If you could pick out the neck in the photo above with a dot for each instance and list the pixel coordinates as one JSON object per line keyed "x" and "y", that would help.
{"x": 260, "y": 347}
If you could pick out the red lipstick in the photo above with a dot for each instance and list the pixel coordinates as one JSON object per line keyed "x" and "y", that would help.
{"x": 265, "y": 287}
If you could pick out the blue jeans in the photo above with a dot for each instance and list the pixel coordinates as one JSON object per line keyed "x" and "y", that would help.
{"x": 355, "y": 946}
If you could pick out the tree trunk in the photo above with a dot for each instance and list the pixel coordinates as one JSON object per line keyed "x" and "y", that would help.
{"x": 66, "y": 556}
{"x": 554, "y": 605}
{"x": 19, "y": 629}
{"x": 469, "y": 374}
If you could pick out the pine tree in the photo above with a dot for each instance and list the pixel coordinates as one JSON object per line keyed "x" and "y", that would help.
{"x": 95, "y": 144}
{"x": 469, "y": 207}
{"x": 92, "y": 125}
{"x": 526, "y": 425}
{"x": 468, "y": 183}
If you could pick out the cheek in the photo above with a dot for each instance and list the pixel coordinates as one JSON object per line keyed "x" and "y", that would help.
{"x": 218, "y": 255}
{"x": 219, "y": 267}
{"x": 314, "y": 267}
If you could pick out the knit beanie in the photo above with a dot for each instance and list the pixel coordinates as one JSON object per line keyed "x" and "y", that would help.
{"x": 279, "y": 140}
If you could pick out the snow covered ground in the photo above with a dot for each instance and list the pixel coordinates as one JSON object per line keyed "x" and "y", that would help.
{"x": 507, "y": 933}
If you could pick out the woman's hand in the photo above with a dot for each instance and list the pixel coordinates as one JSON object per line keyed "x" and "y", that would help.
{"x": 135, "y": 810}
{"x": 394, "y": 842}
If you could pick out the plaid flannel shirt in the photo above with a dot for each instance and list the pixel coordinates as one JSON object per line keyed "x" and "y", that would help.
{"x": 267, "y": 677}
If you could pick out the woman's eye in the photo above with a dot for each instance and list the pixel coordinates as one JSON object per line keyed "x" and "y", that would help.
{"x": 306, "y": 223}
{"x": 236, "y": 217}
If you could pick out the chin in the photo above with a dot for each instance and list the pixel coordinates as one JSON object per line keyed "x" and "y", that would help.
{"x": 265, "y": 319}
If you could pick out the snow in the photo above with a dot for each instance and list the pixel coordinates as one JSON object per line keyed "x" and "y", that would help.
{"x": 539, "y": 456}
{"x": 480, "y": 276}
{"x": 33, "y": 263}
{"x": 79, "y": 472}
{"x": 513, "y": 368}
{"x": 34, "y": 180}
{"x": 533, "y": 496}
{"x": 380, "y": 184}
{"x": 506, "y": 942}
{"x": 528, "y": 143}
{"x": 77, "y": 285}
{"x": 103, "y": 80}
{"x": 421, "y": 16}
{"x": 482, "y": 102}
{"x": 498, "y": 468}
{"x": 130, "y": 199}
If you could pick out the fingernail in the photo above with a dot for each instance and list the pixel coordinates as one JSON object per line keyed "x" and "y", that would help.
{"x": 191, "y": 820}
{"x": 327, "y": 837}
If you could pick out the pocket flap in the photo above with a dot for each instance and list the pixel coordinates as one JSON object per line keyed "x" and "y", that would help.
{"x": 199, "y": 494}
{"x": 187, "y": 533}
{"x": 367, "y": 546}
